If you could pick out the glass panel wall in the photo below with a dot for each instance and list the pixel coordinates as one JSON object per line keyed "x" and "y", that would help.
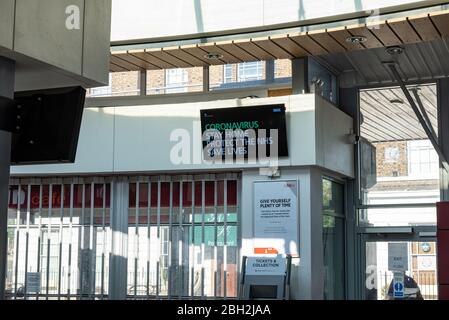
{"x": 333, "y": 240}
{"x": 398, "y": 164}
{"x": 421, "y": 274}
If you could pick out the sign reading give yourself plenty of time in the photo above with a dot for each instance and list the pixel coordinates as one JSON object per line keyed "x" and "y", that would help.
{"x": 276, "y": 217}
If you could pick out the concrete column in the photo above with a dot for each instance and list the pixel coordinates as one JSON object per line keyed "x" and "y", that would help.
{"x": 269, "y": 71}
{"x": 142, "y": 82}
{"x": 300, "y": 75}
{"x": 206, "y": 79}
{"x": 119, "y": 249}
{"x": 311, "y": 270}
{"x": 6, "y": 90}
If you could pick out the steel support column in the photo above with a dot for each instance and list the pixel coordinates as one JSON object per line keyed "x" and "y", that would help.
{"x": 443, "y": 131}
{"x": 7, "y": 68}
{"x": 349, "y": 103}
{"x": 118, "y": 269}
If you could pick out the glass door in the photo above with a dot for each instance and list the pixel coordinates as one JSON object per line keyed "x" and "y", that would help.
{"x": 420, "y": 276}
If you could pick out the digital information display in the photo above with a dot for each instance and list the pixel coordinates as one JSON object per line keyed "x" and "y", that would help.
{"x": 244, "y": 132}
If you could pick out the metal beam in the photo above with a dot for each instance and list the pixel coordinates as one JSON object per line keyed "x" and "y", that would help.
{"x": 396, "y": 205}
{"x": 424, "y": 112}
{"x": 436, "y": 146}
{"x": 443, "y": 131}
{"x": 7, "y": 69}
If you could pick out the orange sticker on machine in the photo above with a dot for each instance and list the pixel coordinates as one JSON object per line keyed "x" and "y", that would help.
{"x": 265, "y": 251}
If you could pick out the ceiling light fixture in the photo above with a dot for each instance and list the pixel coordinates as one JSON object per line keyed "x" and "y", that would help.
{"x": 394, "y": 50}
{"x": 356, "y": 39}
{"x": 213, "y": 56}
{"x": 397, "y": 101}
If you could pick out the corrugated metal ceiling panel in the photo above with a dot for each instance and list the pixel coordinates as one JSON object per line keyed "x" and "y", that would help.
{"x": 384, "y": 120}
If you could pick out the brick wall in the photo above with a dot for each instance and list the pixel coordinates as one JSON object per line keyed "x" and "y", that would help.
{"x": 387, "y": 164}
{"x": 195, "y": 79}
{"x": 155, "y": 81}
{"x": 283, "y": 68}
{"x": 125, "y": 83}
{"x": 215, "y": 75}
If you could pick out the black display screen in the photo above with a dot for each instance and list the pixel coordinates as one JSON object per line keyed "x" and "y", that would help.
{"x": 50, "y": 122}
{"x": 249, "y": 132}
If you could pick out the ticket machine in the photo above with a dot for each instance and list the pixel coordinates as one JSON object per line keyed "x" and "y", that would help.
{"x": 265, "y": 277}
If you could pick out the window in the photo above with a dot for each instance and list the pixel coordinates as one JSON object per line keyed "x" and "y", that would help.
{"x": 391, "y": 155}
{"x": 246, "y": 71}
{"x": 249, "y": 71}
{"x": 227, "y": 73}
{"x": 176, "y": 80}
{"x": 422, "y": 159}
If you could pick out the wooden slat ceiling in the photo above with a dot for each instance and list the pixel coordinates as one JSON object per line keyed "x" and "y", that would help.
{"x": 384, "y": 120}
{"x": 391, "y": 32}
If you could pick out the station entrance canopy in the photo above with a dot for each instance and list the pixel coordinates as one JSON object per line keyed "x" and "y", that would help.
{"x": 422, "y": 32}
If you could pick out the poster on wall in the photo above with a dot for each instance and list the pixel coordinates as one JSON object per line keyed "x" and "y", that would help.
{"x": 276, "y": 217}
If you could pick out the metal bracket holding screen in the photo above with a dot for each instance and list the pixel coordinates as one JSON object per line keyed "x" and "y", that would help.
{"x": 9, "y": 115}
